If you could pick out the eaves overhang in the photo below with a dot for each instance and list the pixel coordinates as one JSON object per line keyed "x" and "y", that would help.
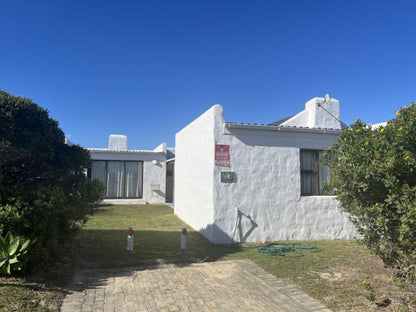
{"x": 231, "y": 125}
{"x": 107, "y": 151}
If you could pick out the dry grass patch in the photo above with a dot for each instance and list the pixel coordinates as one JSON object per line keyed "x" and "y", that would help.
{"x": 17, "y": 294}
{"x": 345, "y": 277}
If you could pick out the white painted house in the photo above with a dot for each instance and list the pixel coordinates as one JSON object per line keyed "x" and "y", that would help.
{"x": 130, "y": 176}
{"x": 243, "y": 182}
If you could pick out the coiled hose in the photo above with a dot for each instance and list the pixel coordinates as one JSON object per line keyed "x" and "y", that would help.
{"x": 287, "y": 250}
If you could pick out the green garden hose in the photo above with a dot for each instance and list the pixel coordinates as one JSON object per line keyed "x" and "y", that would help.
{"x": 289, "y": 250}
{"x": 277, "y": 249}
{"x": 286, "y": 250}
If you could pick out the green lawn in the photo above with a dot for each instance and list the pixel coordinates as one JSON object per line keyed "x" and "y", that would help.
{"x": 103, "y": 241}
{"x": 334, "y": 275}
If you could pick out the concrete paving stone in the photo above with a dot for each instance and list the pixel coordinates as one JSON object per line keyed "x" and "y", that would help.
{"x": 141, "y": 306}
{"x": 174, "y": 308}
{"x": 193, "y": 306}
{"x": 237, "y": 285}
{"x": 87, "y": 308}
{"x": 98, "y": 308}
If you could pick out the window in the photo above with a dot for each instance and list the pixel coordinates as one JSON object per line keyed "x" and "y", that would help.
{"x": 122, "y": 179}
{"x": 313, "y": 176}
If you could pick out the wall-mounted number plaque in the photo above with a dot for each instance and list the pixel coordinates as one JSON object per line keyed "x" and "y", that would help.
{"x": 228, "y": 177}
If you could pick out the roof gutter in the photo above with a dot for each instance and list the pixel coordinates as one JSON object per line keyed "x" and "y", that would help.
{"x": 106, "y": 151}
{"x": 280, "y": 128}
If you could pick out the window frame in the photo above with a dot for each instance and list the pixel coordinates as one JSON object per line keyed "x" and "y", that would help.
{"x": 315, "y": 172}
{"x": 140, "y": 179}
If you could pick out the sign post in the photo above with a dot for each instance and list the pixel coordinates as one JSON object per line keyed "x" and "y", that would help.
{"x": 184, "y": 232}
{"x": 130, "y": 239}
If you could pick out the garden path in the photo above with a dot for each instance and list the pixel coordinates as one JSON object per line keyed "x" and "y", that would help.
{"x": 237, "y": 285}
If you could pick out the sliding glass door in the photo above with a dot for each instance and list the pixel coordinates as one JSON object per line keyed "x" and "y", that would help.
{"x": 122, "y": 179}
{"x": 115, "y": 179}
{"x": 133, "y": 179}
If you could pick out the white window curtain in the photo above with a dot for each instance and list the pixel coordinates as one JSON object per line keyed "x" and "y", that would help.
{"x": 308, "y": 168}
{"x": 308, "y": 160}
{"x": 133, "y": 179}
{"x": 313, "y": 175}
{"x": 308, "y": 183}
{"x": 115, "y": 179}
{"x": 122, "y": 179}
{"x": 98, "y": 171}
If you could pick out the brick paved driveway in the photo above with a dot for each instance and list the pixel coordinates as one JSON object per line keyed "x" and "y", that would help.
{"x": 213, "y": 286}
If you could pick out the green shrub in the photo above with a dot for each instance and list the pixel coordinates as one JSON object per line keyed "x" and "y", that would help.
{"x": 13, "y": 253}
{"x": 44, "y": 192}
{"x": 373, "y": 174}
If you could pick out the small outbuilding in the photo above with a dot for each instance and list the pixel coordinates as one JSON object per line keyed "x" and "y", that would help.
{"x": 247, "y": 182}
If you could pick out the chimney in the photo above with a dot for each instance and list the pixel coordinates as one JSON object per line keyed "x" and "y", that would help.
{"x": 323, "y": 113}
{"x": 319, "y": 112}
{"x": 117, "y": 142}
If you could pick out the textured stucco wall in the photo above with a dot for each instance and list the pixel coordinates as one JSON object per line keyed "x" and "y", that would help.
{"x": 265, "y": 202}
{"x": 152, "y": 174}
{"x": 267, "y": 191}
{"x": 194, "y": 169}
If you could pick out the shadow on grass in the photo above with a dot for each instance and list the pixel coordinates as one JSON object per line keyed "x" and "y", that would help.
{"x": 108, "y": 249}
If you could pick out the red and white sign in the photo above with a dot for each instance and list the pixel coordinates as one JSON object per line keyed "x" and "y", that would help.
{"x": 222, "y": 155}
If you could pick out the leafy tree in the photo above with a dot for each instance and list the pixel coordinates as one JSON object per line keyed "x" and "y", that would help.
{"x": 44, "y": 191}
{"x": 373, "y": 174}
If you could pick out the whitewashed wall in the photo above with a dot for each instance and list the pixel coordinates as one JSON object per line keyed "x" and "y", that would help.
{"x": 194, "y": 168}
{"x": 267, "y": 191}
{"x": 152, "y": 173}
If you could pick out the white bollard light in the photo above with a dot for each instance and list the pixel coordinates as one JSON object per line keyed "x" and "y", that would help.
{"x": 130, "y": 239}
{"x": 184, "y": 232}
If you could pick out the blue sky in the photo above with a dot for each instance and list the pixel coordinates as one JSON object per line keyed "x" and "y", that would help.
{"x": 148, "y": 68}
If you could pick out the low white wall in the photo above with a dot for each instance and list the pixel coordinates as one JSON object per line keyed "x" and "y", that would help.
{"x": 194, "y": 168}
{"x": 124, "y": 201}
{"x": 152, "y": 173}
